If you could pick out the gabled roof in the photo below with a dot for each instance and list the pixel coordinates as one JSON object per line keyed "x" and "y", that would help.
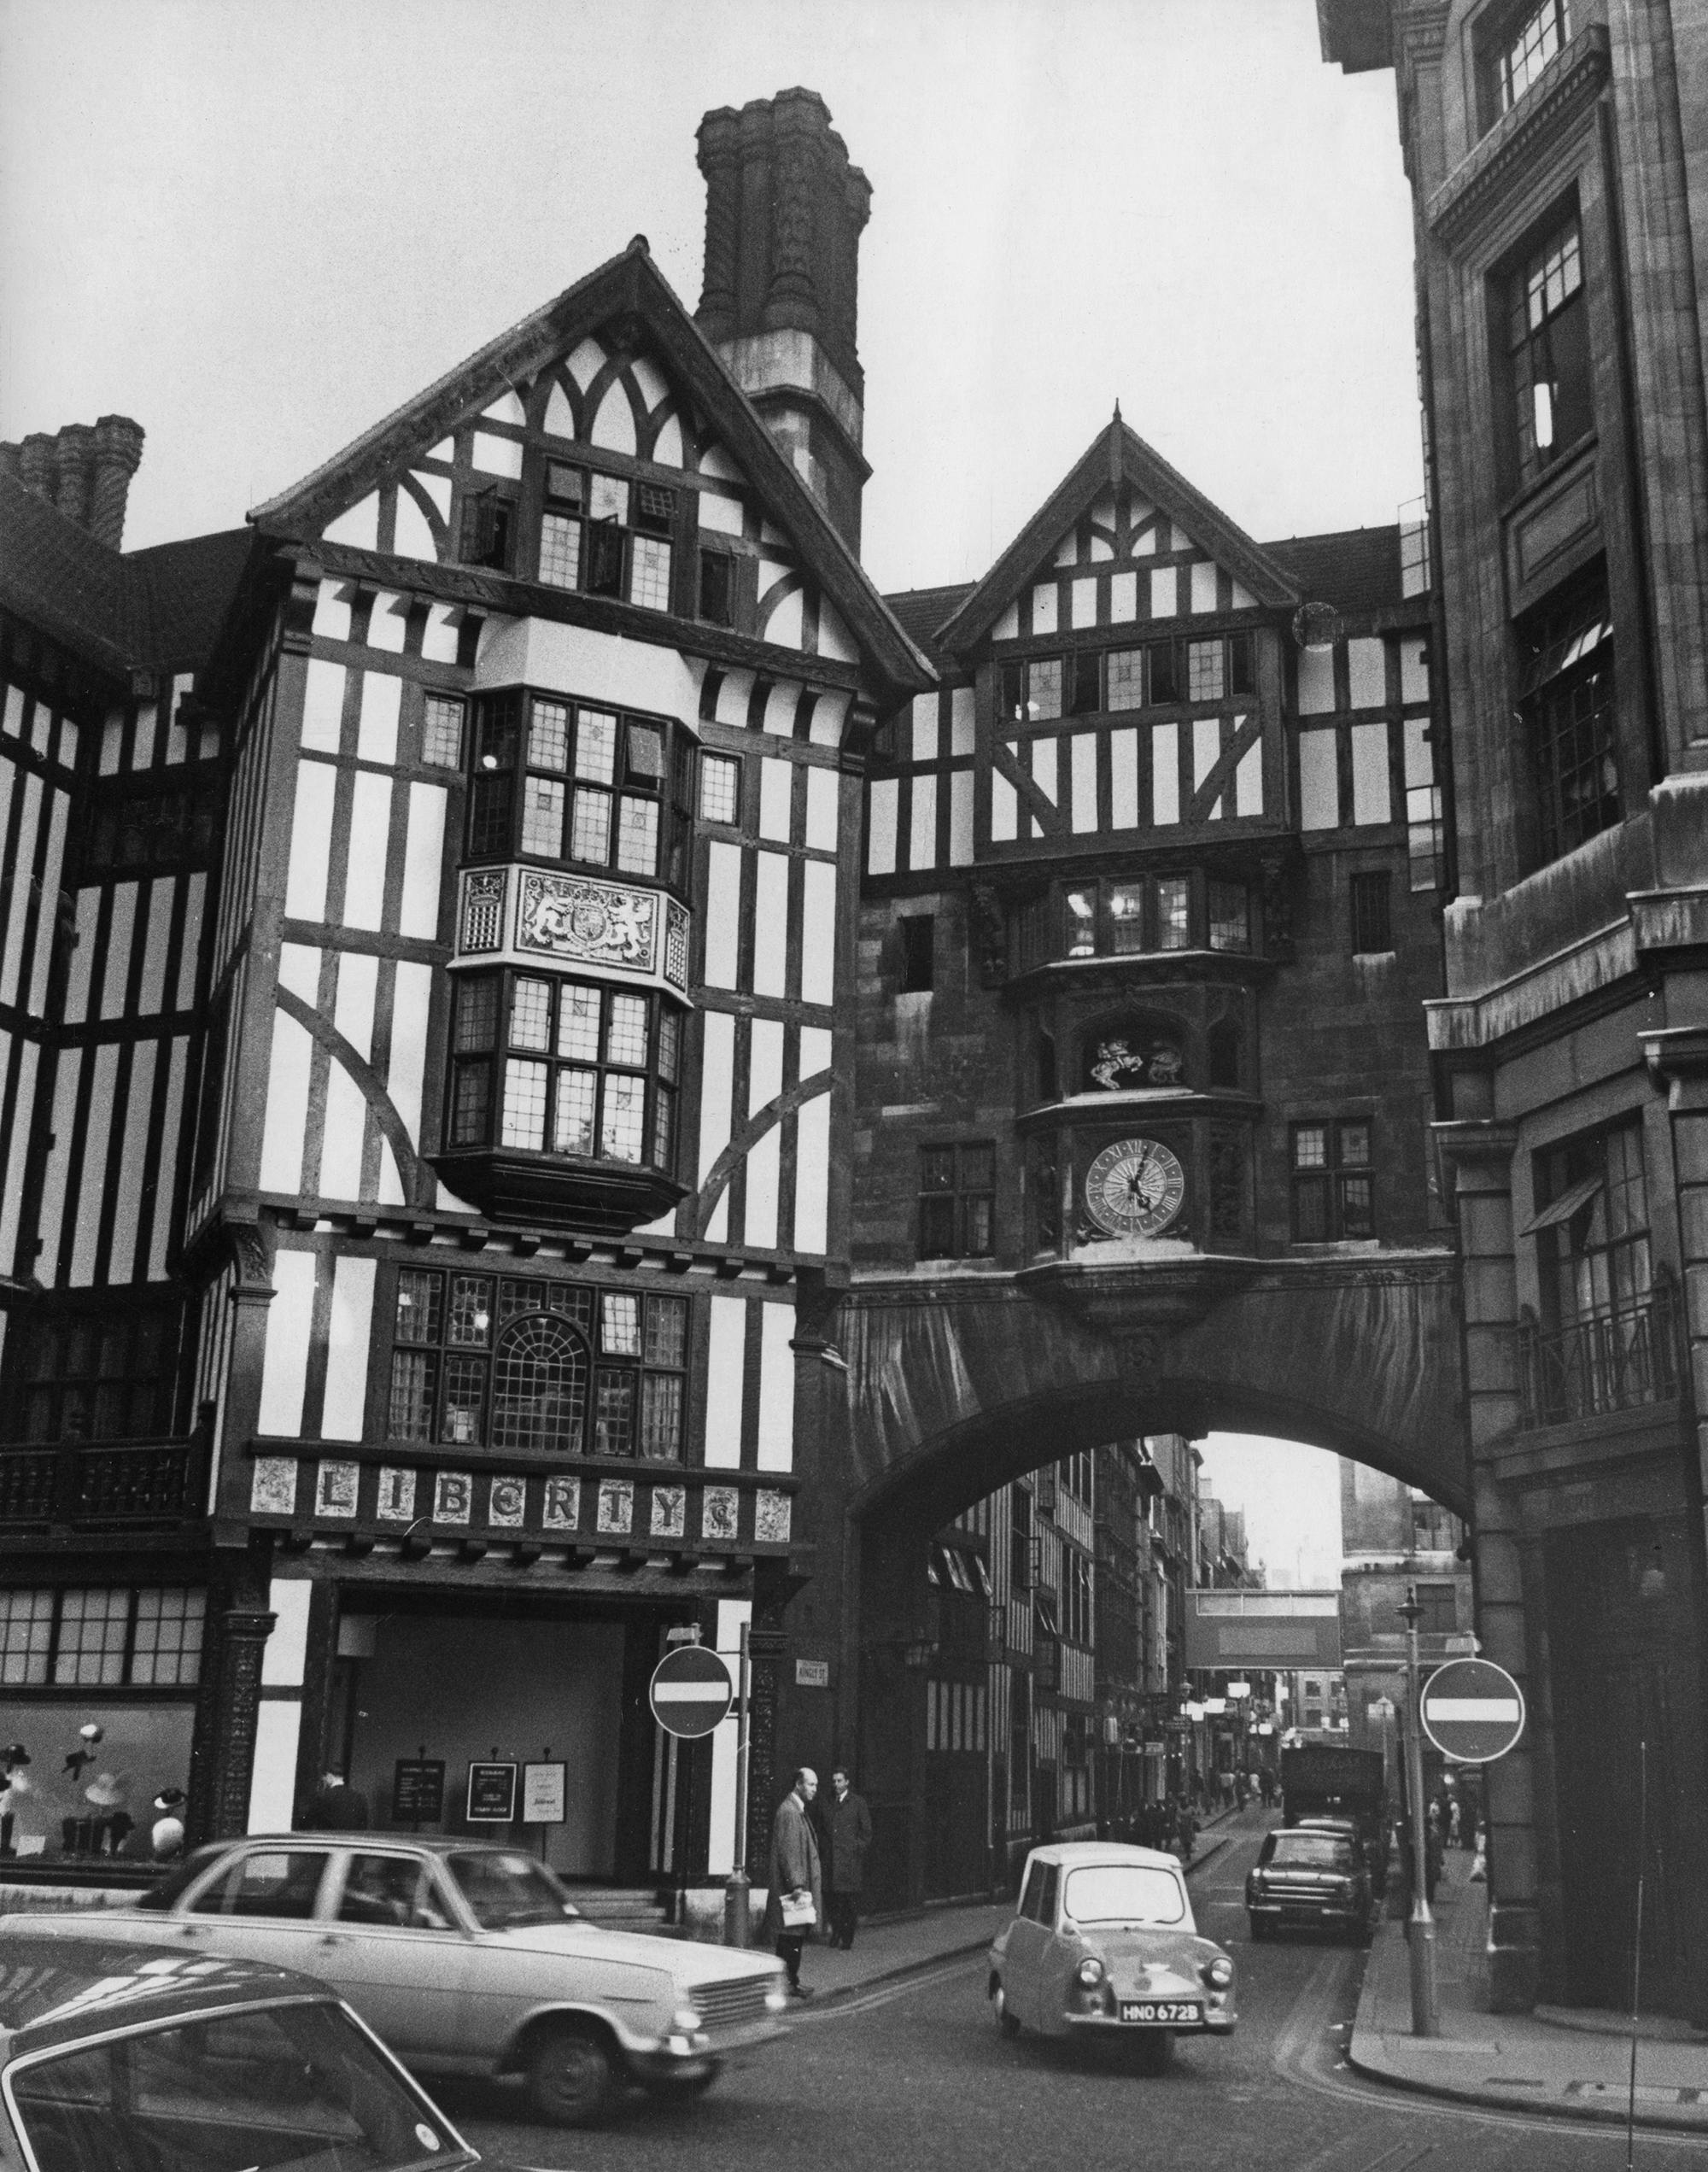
{"x": 1356, "y": 570}
{"x": 921, "y": 611}
{"x": 1116, "y": 455}
{"x": 629, "y": 285}
{"x": 161, "y": 607}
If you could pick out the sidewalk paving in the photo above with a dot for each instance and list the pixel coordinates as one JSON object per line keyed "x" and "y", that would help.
{"x": 887, "y": 1946}
{"x": 1572, "y": 2063}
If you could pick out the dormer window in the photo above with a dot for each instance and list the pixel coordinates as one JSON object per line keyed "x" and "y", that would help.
{"x": 607, "y": 537}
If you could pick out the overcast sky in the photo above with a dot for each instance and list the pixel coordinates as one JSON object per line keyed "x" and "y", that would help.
{"x": 257, "y": 228}
{"x": 1291, "y": 1497}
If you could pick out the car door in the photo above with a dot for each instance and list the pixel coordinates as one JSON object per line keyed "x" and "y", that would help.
{"x": 392, "y": 1942}
{"x": 260, "y": 1905}
{"x": 1028, "y": 1936}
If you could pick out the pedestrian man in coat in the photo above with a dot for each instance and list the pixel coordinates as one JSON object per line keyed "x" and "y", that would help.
{"x": 794, "y": 1871}
{"x": 336, "y": 1807}
{"x": 849, "y": 1830}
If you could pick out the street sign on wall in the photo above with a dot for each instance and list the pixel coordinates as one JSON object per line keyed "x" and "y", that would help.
{"x": 1473, "y": 1711}
{"x": 691, "y": 1691}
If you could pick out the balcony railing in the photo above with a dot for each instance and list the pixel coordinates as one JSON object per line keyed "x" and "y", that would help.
{"x": 1613, "y": 1360}
{"x": 99, "y": 1485}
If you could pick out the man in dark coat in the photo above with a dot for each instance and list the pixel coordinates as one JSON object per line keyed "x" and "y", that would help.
{"x": 849, "y": 1830}
{"x": 795, "y": 1870}
{"x": 336, "y": 1807}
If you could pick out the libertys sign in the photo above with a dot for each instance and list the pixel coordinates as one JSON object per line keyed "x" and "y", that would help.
{"x": 691, "y": 1690}
{"x": 1473, "y": 1711}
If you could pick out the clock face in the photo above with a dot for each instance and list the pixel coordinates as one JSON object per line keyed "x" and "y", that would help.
{"x": 1135, "y": 1188}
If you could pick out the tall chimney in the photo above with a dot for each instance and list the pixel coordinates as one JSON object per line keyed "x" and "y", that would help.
{"x": 784, "y": 211}
{"x": 73, "y": 454}
{"x": 118, "y": 455}
{"x": 84, "y": 472}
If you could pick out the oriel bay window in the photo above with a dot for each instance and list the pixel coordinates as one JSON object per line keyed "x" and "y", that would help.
{"x": 537, "y": 1367}
{"x": 549, "y": 1065}
{"x": 1131, "y": 915}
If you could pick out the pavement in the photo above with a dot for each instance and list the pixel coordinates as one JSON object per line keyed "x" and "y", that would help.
{"x": 1559, "y": 2061}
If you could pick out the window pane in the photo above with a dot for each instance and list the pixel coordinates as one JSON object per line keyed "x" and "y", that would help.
{"x": 471, "y": 1321}
{"x": 614, "y": 1421}
{"x": 471, "y": 1104}
{"x": 548, "y": 735}
{"x": 531, "y": 1015}
{"x": 937, "y": 1169}
{"x": 610, "y": 499}
{"x": 620, "y": 1132}
{"x": 655, "y": 507}
{"x": 1229, "y": 913}
{"x": 637, "y": 836}
{"x": 1205, "y": 678}
{"x": 649, "y": 573}
{"x": 978, "y": 1167}
{"x": 573, "y": 1130}
{"x": 418, "y": 1306}
{"x": 667, "y": 1330}
{"x": 1311, "y": 1146}
{"x": 441, "y": 733}
{"x": 464, "y": 1399}
{"x": 1354, "y": 1146}
{"x": 596, "y": 746}
{"x": 561, "y": 551}
{"x": 578, "y": 1021}
{"x": 1082, "y": 922}
{"x": 1173, "y": 912}
{"x": 619, "y": 1324}
{"x": 26, "y": 1629}
{"x": 719, "y": 798}
{"x": 564, "y": 483}
{"x": 410, "y": 1417}
{"x": 663, "y": 1129}
{"x": 542, "y": 818}
{"x": 165, "y": 1649}
{"x": 937, "y": 1227}
{"x": 1044, "y": 687}
{"x": 1311, "y": 1210}
{"x": 539, "y": 1387}
{"x": 1356, "y": 1217}
{"x": 625, "y": 1033}
{"x": 661, "y": 1420}
{"x": 669, "y": 1044}
{"x": 976, "y": 1227}
{"x": 1124, "y": 678}
{"x": 477, "y": 1014}
{"x": 591, "y": 836}
{"x": 1127, "y": 916}
{"x": 523, "y": 1122}
{"x": 645, "y": 764}
{"x": 92, "y": 1625}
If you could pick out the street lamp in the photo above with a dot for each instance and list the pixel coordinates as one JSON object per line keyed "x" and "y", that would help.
{"x": 1421, "y": 1928}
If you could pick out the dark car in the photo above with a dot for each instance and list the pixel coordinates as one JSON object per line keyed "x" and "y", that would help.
{"x": 120, "y": 2058}
{"x": 1308, "y": 1880}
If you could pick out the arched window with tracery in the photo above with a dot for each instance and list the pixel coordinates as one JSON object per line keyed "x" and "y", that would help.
{"x": 540, "y": 1382}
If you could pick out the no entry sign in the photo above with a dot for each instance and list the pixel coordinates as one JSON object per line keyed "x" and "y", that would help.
{"x": 691, "y": 1691}
{"x": 1473, "y": 1711}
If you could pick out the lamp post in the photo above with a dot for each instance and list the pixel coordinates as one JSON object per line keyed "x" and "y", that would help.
{"x": 1421, "y": 1927}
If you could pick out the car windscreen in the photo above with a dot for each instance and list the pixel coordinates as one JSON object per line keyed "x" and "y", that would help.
{"x": 180, "y": 1876}
{"x": 1311, "y": 1851}
{"x": 296, "y": 2088}
{"x": 1124, "y": 1893}
{"x": 506, "y": 1890}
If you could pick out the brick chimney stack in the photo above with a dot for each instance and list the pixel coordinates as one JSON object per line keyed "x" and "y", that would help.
{"x": 84, "y": 471}
{"x": 784, "y": 212}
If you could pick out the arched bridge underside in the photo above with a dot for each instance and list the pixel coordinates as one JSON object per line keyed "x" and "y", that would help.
{"x": 962, "y": 1383}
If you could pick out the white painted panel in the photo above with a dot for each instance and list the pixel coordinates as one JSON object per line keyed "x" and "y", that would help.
{"x": 718, "y": 1072}
{"x": 786, "y": 626}
{"x": 834, "y": 640}
{"x": 818, "y": 932}
{"x": 1123, "y": 779}
{"x": 29, "y": 816}
{"x": 389, "y": 619}
{"x": 195, "y": 899}
{"x": 960, "y": 818}
{"x": 771, "y": 923}
{"x": 346, "y": 1350}
{"x": 764, "y": 1063}
{"x": 299, "y": 970}
{"x": 52, "y": 1212}
{"x": 816, "y": 1045}
{"x": 92, "y": 1191}
{"x": 1004, "y": 809}
{"x": 505, "y": 408}
{"x": 12, "y": 1198}
{"x": 1123, "y": 597}
{"x": 287, "y": 1106}
{"x": 1414, "y": 669}
{"x": 724, "y": 516}
{"x": 47, "y": 919}
{"x": 667, "y": 446}
{"x": 722, "y": 914}
{"x": 764, "y": 1165}
{"x": 127, "y": 1207}
{"x": 341, "y": 1147}
{"x": 883, "y": 801}
{"x": 369, "y": 831}
{"x": 1044, "y": 608}
{"x": 1007, "y": 628}
{"x": 501, "y": 455}
{"x": 725, "y": 1382}
{"x": 439, "y": 634}
{"x": 823, "y": 808}
{"x": 560, "y": 421}
{"x": 776, "y": 1388}
{"x": 721, "y": 1838}
{"x": 1248, "y": 782}
{"x": 812, "y": 1173}
{"x": 776, "y": 781}
{"x": 1083, "y": 747}
{"x": 1318, "y": 780}
{"x": 311, "y": 839}
{"x": 82, "y": 957}
{"x": 353, "y": 1008}
{"x": 143, "y": 739}
{"x": 1203, "y": 586}
{"x": 377, "y": 727}
{"x": 120, "y": 931}
{"x": 156, "y": 928}
{"x": 1067, "y": 550}
{"x": 1366, "y": 672}
{"x": 1165, "y": 596}
{"x": 1419, "y": 755}
{"x": 410, "y": 999}
{"x": 734, "y": 692}
{"x": 1316, "y": 682}
{"x": 112, "y": 739}
{"x": 160, "y": 1239}
{"x": 1165, "y": 773}
{"x": 829, "y": 715}
{"x": 614, "y": 426}
{"x": 924, "y": 722}
{"x": 781, "y": 704}
{"x": 359, "y": 526}
{"x": 1082, "y": 597}
{"x": 289, "y": 1321}
{"x": 332, "y": 611}
{"x": 284, "y": 1656}
{"x": 411, "y": 537}
{"x": 570, "y": 659}
{"x": 962, "y": 708}
{"x": 1207, "y": 746}
{"x": 272, "y": 1786}
{"x": 922, "y": 828}
{"x": 424, "y": 855}
{"x": 1243, "y": 598}
{"x": 586, "y": 361}
{"x": 1371, "y": 801}
{"x": 12, "y": 721}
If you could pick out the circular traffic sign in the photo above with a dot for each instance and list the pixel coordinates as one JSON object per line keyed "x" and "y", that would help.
{"x": 691, "y": 1691}
{"x": 1473, "y": 1711}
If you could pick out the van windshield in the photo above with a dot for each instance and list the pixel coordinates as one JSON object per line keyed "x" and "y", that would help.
{"x": 508, "y": 1890}
{"x": 1124, "y": 1893}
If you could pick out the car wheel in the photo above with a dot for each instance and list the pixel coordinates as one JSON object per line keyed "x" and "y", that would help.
{"x": 571, "y": 2076}
{"x": 1008, "y": 2023}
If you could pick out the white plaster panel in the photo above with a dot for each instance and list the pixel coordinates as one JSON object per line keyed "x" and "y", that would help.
{"x": 284, "y": 1656}
{"x": 353, "y": 1008}
{"x": 922, "y": 827}
{"x": 1082, "y": 765}
{"x": 717, "y": 1073}
{"x": 1004, "y": 809}
{"x": 1318, "y": 780}
{"x": 370, "y": 833}
{"x": 67, "y": 1071}
{"x": 560, "y": 421}
{"x": 347, "y": 1349}
{"x": 776, "y": 780}
{"x": 818, "y": 932}
{"x": 376, "y": 728}
{"x": 725, "y": 1382}
{"x": 1414, "y": 669}
{"x": 341, "y": 1145}
{"x": 1164, "y": 593}
{"x": 1123, "y": 597}
{"x": 311, "y": 837}
{"x": 829, "y": 716}
{"x": 786, "y": 625}
{"x": 834, "y": 641}
{"x": 332, "y": 611}
{"x": 776, "y": 1450}
{"x": 883, "y": 804}
{"x": 497, "y": 455}
{"x": 771, "y": 922}
{"x": 1165, "y": 773}
{"x": 764, "y": 1167}
{"x": 120, "y": 925}
{"x": 178, "y": 1068}
{"x": 438, "y": 488}
{"x": 735, "y": 692}
{"x": 287, "y": 1107}
{"x": 923, "y": 715}
{"x": 299, "y": 970}
{"x": 960, "y": 720}
{"x": 721, "y": 1837}
{"x": 359, "y": 526}
{"x": 1366, "y": 672}
{"x": 577, "y": 660}
{"x": 439, "y": 634}
{"x": 387, "y": 621}
{"x": 1242, "y": 599}
{"x": 960, "y": 818}
{"x": 323, "y": 705}
{"x": 1316, "y": 682}
{"x": 1082, "y": 602}
{"x": 812, "y": 1171}
{"x": 667, "y": 446}
{"x": 724, "y": 516}
{"x": 423, "y": 853}
{"x": 715, "y": 462}
{"x": 157, "y": 931}
{"x": 92, "y": 1187}
{"x": 83, "y": 952}
{"x": 127, "y": 1207}
{"x": 411, "y": 998}
{"x": 614, "y": 426}
{"x": 1248, "y": 782}
{"x": 289, "y": 1319}
{"x": 823, "y": 807}
{"x": 781, "y": 705}
{"x": 1044, "y": 608}
{"x": 1207, "y": 746}
{"x": 1204, "y": 585}
{"x": 1371, "y": 799}
{"x": 1007, "y": 628}
{"x": 722, "y": 914}
{"x": 505, "y": 408}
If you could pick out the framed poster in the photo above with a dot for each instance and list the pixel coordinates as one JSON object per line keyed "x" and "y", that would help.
{"x": 545, "y": 1791}
{"x": 492, "y": 1794}
{"x": 418, "y": 1791}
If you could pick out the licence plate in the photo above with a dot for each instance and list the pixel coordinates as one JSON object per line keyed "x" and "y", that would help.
{"x": 1177, "y": 2012}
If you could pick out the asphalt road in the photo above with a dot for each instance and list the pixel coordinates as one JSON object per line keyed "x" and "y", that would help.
{"x": 913, "y": 2078}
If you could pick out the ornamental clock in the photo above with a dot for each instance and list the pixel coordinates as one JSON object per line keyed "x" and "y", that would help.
{"x": 1135, "y": 1188}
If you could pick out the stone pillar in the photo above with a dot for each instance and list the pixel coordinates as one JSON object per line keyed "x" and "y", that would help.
{"x": 222, "y": 1763}
{"x": 1477, "y": 1158}
{"x": 1677, "y": 1058}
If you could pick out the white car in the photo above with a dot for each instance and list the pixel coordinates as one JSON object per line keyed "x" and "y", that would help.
{"x": 466, "y": 1959}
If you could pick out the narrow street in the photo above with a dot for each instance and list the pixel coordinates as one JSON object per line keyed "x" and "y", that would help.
{"x": 914, "y": 2074}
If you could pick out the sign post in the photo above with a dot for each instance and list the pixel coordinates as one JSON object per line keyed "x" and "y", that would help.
{"x": 1420, "y": 1930}
{"x": 1473, "y": 1711}
{"x": 737, "y": 1889}
{"x": 690, "y": 1691}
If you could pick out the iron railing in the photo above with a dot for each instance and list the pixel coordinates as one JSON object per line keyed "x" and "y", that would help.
{"x": 1612, "y": 1361}
{"x": 100, "y": 1486}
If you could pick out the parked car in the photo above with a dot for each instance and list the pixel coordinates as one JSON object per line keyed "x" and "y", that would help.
{"x": 117, "y": 2056}
{"x": 467, "y": 1958}
{"x": 1370, "y": 1845}
{"x": 1104, "y": 1943}
{"x": 1306, "y": 1878}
